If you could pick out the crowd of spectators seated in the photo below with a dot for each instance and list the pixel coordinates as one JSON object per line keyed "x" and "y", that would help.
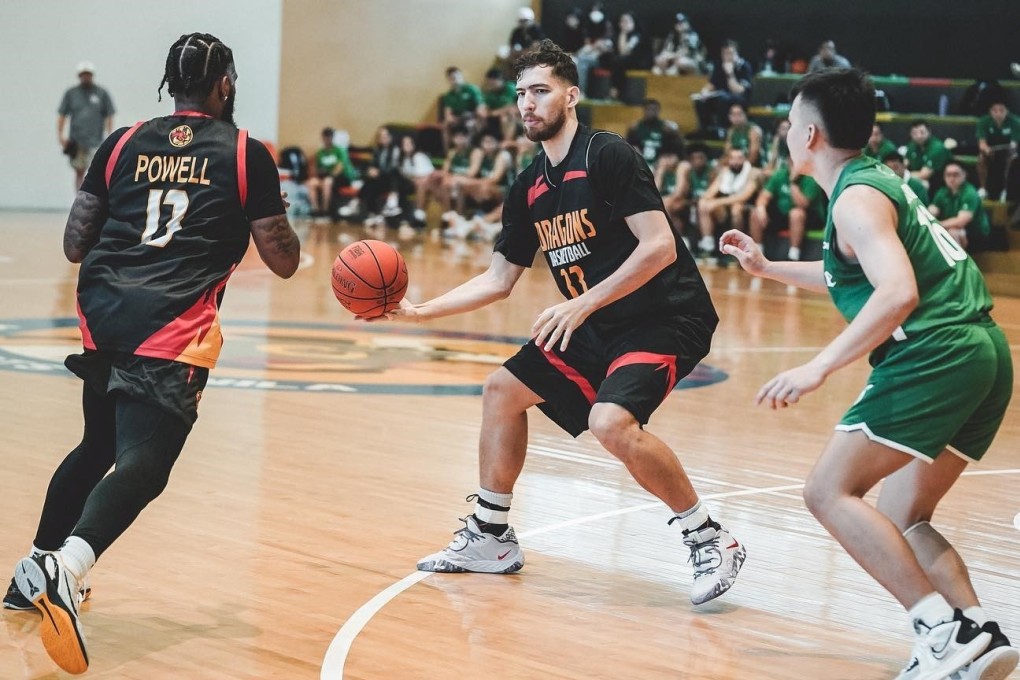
{"x": 750, "y": 186}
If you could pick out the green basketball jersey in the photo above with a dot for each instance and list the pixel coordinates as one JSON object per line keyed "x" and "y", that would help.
{"x": 950, "y": 287}
{"x": 460, "y": 161}
{"x": 698, "y": 182}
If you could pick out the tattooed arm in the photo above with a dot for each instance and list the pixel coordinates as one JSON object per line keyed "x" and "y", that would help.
{"x": 277, "y": 244}
{"x": 83, "y": 224}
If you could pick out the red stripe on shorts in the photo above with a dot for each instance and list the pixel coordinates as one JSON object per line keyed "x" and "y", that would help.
{"x": 571, "y": 374}
{"x": 666, "y": 361}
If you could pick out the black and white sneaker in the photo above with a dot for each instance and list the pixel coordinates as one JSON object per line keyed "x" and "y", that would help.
{"x": 15, "y": 601}
{"x": 997, "y": 661}
{"x": 49, "y": 586}
{"x": 716, "y": 557}
{"x": 944, "y": 648}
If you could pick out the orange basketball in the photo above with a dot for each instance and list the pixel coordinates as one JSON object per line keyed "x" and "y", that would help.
{"x": 369, "y": 278}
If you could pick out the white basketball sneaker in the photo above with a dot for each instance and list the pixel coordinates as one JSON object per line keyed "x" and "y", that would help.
{"x": 944, "y": 648}
{"x": 717, "y": 558}
{"x": 473, "y": 550}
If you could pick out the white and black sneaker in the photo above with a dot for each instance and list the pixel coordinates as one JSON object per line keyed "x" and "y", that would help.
{"x": 50, "y": 587}
{"x": 944, "y": 648}
{"x": 15, "y": 601}
{"x": 995, "y": 663}
{"x": 716, "y": 557}
{"x": 473, "y": 550}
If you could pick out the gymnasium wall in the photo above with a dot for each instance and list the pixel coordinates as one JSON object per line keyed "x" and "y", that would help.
{"x": 42, "y": 42}
{"x": 934, "y": 38}
{"x": 356, "y": 64}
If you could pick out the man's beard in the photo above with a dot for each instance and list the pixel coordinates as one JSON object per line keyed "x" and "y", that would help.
{"x": 227, "y": 116}
{"x": 550, "y": 131}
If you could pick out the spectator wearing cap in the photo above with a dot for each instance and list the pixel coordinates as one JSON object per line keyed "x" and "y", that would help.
{"x": 827, "y": 57}
{"x": 681, "y": 51}
{"x": 526, "y": 33}
{"x": 89, "y": 109}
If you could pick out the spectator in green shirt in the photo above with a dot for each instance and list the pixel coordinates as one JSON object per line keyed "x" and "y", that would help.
{"x": 744, "y": 135}
{"x": 499, "y": 104}
{"x": 693, "y": 177}
{"x": 797, "y": 200}
{"x": 926, "y": 154}
{"x": 894, "y": 161}
{"x": 998, "y": 133}
{"x": 959, "y": 209}
{"x": 459, "y": 106}
{"x": 652, "y": 133}
{"x": 332, "y": 169}
{"x": 878, "y": 146}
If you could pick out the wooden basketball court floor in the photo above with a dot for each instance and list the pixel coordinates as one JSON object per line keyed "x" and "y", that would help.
{"x": 329, "y": 456}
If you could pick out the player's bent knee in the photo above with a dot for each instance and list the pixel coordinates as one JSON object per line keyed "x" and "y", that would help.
{"x": 613, "y": 426}
{"x": 502, "y": 388}
{"x": 817, "y": 496}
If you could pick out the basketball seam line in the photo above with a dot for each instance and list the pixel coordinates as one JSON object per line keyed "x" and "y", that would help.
{"x": 341, "y": 258}
{"x": 382, "y": 277}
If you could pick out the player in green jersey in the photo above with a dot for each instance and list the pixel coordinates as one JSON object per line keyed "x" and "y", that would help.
{"x": 916, "y": 301}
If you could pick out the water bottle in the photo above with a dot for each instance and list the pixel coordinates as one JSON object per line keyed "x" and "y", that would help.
{"x": 943, "y": 104}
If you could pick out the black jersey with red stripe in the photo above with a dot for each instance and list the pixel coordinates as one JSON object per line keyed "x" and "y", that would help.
{"x": 575, "y": 213}
{"x": 152, "y": 284}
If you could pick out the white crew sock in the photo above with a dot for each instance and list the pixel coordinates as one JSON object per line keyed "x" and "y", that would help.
{"x": 693, "y": 517}
{"x": 498, "y": 511}
{"x": 976, "y": 614}
{"x": 931, "y": 610}
{"x": 794, "y": 254}
{"x": 38, "y": 552}
{"x": 77, "y": 556}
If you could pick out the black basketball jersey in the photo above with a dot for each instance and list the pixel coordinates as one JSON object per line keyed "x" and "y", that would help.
{"x": 153, "y": 283}
{"x": 575, "y": 213}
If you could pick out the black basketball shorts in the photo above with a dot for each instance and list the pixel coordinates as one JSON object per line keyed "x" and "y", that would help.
{"x": 635, "y": 367}
{"x": 168, "y": 385}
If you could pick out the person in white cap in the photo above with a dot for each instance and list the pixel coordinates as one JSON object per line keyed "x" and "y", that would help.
{"x": 90, "y": 110}
{"x": 526, "y": 33}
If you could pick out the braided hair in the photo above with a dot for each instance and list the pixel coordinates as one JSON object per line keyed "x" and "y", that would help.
{"x": 193, "y": 64}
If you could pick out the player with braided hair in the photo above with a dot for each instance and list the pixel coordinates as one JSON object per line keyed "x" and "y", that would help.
{"x": 163, "y": 217}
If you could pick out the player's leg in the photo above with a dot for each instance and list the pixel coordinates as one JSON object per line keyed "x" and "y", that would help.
{"x": 560, "y": 383}
{"x": 708, "y": 215}
{"x": 909, "y": 498}
{"x": 71, "y": 484}
{"x": 148, "y": 441}
{"x": 851, "y": 465}
{"x": 646, "y": 363}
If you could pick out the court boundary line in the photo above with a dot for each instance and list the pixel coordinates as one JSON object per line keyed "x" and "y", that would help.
{"x": 335, "y": 658}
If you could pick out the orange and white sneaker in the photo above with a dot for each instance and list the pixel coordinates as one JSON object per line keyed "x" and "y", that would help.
{"x": 52, "y": 590}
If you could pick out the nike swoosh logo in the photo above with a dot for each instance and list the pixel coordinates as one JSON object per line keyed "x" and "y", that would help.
{"x": 731, "y": 547}
{"x": 504, "y": 554}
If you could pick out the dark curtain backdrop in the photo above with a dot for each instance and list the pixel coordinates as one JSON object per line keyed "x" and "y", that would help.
{"x": 931, "y": 38}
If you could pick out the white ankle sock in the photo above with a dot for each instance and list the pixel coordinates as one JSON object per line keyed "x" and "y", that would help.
{"x": 490, "y": 515}
{"x": 693, "y": 517}
{"x": 931, "y": 610}
{"x": 976, "y": 614}
{"x": 38, "y": 552}
{"x": 77, "y": 556}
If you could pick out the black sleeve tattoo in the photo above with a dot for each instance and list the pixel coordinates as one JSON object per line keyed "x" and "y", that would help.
{"x": 277, "y": 244}
{"x": 83, "y": 226}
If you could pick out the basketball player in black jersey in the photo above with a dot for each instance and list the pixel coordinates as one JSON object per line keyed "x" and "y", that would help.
{"x": 162, "y": 219}
{"x": 637, "y": 319}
